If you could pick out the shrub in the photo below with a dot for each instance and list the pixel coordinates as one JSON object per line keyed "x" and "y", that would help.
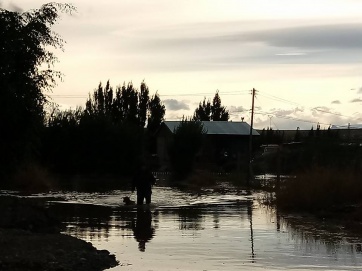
{"x": 320, "y": 188}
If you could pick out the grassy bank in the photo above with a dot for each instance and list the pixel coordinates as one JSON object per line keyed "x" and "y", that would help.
{"x": 30, "y": 239}
{"x": 321, "y": 189}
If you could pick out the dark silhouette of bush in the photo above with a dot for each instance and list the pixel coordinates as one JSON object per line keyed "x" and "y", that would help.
{"x": 26, "y": 39}
{"x": 187, "y": 141}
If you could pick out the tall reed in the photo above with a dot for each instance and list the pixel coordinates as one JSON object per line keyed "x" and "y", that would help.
{"x": 320, "y": 188}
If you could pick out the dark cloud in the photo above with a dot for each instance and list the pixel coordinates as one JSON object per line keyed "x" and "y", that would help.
{"x": 175, "y": 105}
{"x": 343, "y": 36}
{"x": 338, "y": 36}
{"x": 336, "y": 102}
{"x": 357, "y": 100}
{"x": 209, "y": 48}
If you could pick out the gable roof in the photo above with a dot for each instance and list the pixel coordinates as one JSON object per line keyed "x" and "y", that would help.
{"x": 219, "y": 127}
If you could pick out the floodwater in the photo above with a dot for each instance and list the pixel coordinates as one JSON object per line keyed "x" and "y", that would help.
{"x": 214, "y": 229}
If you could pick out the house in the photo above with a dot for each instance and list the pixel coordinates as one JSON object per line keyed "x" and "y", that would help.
{"x": 226, "y": 142}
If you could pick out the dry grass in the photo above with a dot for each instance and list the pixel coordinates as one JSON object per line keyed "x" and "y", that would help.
{"x": 320, "y": 189}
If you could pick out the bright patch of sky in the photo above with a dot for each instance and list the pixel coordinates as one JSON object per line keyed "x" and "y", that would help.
{"x": 304, "y": 58}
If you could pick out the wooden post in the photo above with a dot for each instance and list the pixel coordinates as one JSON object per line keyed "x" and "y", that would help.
{"x": 250, "y": 177}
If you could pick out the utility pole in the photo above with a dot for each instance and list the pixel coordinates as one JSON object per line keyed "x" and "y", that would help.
{"x": 251, "y": 139}
{"x": 270, "y": 117}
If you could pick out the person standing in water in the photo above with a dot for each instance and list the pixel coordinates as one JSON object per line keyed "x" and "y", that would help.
{"x": 143, "y": 181}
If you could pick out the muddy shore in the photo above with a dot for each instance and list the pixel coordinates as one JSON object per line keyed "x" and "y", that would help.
{"x": 30, "y": 239}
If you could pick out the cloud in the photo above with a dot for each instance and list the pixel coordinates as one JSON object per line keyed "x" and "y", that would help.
{"x": 175, "y": 116}
{"x": 336, "y": 102}
{"x": 323, "y": 109}
{"x": 338, "y": 36}
{"x": 285, "y": 112}
{"x": 15, "y": 8}
{"x": 211, "y": 49}
{"x": 325, "y": 112}
{"x": 176, "y": 105}
{"x": 236, "y": 109}
{"x": 360, "y": 90}
{"x": 357, "y": 100}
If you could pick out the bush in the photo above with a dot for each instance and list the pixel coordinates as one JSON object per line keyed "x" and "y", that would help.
{"x": 187, "y": 141}
{"x": 320, "y": 188}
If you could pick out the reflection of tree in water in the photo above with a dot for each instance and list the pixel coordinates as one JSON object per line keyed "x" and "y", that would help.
{"x": 191, "y": 218}
{"x": 88, "y": 221}
{"x": 314, "y": 235}
{"x": 216, "y": 220}
{"x": 142, "y": 228}
{"x": 92, "y": 222}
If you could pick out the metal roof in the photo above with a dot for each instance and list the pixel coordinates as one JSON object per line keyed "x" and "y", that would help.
{"x": 219, "y": 127}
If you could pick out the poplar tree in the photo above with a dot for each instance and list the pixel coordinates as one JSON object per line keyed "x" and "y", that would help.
{"x": 156, "y": 115}
{"x": 218, "y": 112}
{"x": 211, "y": 112}
{"x": 26, "y": 73}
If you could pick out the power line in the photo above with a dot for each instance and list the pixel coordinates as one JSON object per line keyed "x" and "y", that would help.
{"x": 290, "y": 118}
{"x": 328, "y": 112}
{"x": 272, "y": 97}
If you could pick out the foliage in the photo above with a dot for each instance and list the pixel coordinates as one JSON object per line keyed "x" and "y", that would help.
{"x": 203, "y": 112}
{"x": 187, "y": 141}
{"x": 269, "y": 136}
{"x": 156, "y": 114}
{"x": 26, "y": 39}
{"x": 107, "y": 136}
{"x": 211, "y": 112}
{"x": 320, "y": 188}
{"x": 126, "y": 105}
{"x": 218, "y": 112}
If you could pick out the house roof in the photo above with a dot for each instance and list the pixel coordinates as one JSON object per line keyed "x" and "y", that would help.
{"x": 219, "y": 127}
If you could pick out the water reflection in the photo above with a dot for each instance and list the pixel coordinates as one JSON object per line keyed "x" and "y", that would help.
{"x": 316, "y": 235}
{"x": 142, "y": 228}
{"x": 250, "y": 217}
{"x": 229, "y": 230}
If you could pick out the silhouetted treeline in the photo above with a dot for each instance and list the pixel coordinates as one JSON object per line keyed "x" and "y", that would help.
{"x": 109, "y": 135}
{"x": 270, "y": 136}
{"x": 317, "y": 148}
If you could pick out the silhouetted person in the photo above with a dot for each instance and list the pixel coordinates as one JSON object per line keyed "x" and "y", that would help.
{"x": 143, "y": 181}
{"x": 142, "y": 228}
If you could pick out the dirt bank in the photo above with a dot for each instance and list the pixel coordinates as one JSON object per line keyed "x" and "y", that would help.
{"x": 30, "y": 240}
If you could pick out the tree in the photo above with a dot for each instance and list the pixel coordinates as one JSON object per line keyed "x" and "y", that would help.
{"x": 218, "y": 112}
{"x": 211, "y": 112}
{"x": 203, "y": 112}
{"x": 143, "y": 103}
{"x": 156, "y": 114}
{"x": 26, "y": 39}
{"x": 187, "y": 141}
{"x": 128, "y": 105}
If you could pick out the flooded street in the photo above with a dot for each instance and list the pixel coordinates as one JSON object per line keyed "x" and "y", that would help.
{"x": 222, "y": 229}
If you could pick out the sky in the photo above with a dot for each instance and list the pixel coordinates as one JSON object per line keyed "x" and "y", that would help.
{"x": 304, "y": 58}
